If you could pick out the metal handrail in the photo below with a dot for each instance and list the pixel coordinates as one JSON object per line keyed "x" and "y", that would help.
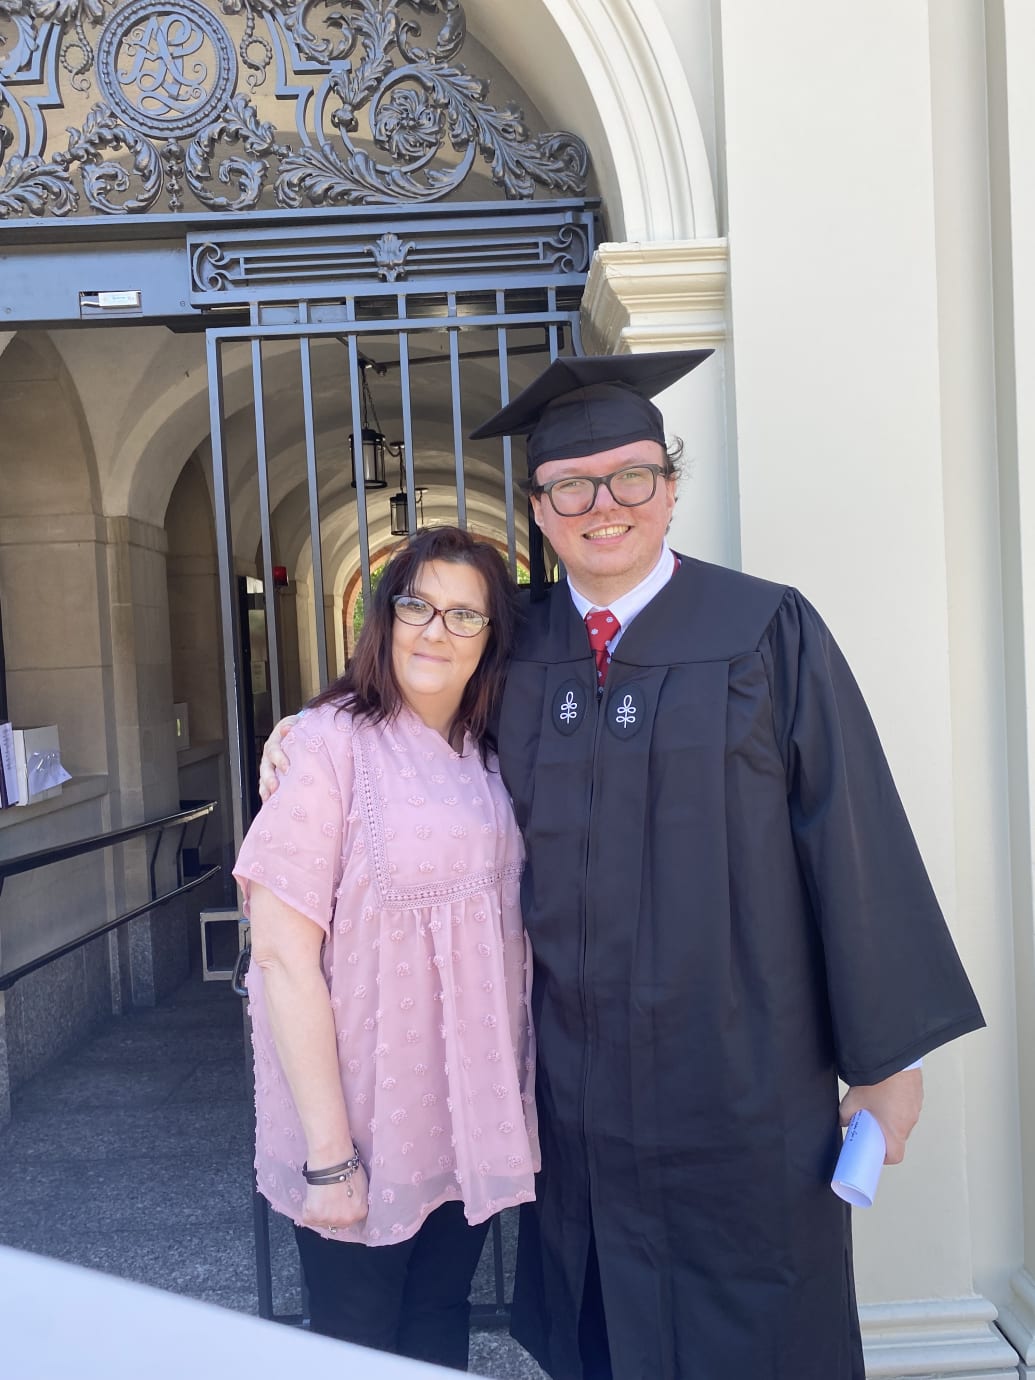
{"x": 28, "y": 862}
{"x": 44, "y": 857}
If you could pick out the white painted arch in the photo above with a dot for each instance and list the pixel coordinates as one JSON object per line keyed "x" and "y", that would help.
{"x": 610, "y": 71}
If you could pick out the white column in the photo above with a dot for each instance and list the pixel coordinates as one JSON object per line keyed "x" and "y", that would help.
{"x": 672, "y": 296}
{"x": 1011, "y": 53}
{"x": 837, "y": 368}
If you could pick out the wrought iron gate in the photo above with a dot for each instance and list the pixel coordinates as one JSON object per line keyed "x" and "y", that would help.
{"x": 366, "y": 365}
{"x": 414, "y": 367}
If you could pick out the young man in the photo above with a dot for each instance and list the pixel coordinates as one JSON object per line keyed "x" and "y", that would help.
{"x": 727, "y": 910}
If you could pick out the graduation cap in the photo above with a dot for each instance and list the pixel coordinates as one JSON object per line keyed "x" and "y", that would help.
{"x": 580, "y": 405}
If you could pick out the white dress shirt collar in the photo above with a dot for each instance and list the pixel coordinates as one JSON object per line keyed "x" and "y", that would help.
{"x": 627, "y": 606}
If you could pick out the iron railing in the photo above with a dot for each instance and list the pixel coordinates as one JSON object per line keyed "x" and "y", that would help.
{"x": 29, "y": 862}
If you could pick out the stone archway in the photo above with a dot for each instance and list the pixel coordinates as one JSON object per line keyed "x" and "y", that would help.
{"x": 56, "y": 635}
{"x": 610, "y": 70}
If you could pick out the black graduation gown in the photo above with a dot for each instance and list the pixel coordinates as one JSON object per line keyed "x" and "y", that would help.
{"x": 727, "y": 909}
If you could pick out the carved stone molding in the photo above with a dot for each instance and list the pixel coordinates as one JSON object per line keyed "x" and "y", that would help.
{"x": 1017, "y": 1321}
{"x": 52, "y": 529}
{"x": 663, "y": 296}
{"x": 935, "y": 1338}
{"x": 131, "y": 531}
{"x": 159, "y": 100}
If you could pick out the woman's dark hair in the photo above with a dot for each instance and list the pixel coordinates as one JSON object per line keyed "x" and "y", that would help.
{"x": 369, "y": 688}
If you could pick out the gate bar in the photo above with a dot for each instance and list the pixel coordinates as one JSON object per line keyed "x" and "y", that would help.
{"x": 407, "y": 421}
{"x": 232, "y": 657}
{"x": 355, "y": 381}
{"x": 313, "y": 481}
{"x": 554, "y": 320}
{"x": 508, "y": 453}
{"x": 271, "y": 608}
{"x": 458, "y": 429}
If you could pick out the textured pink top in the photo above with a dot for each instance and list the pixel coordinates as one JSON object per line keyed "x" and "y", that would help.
{"x": 407, "y": 854}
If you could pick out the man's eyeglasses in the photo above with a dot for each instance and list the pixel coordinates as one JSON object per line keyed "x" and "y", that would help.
{"x": 419, "y": 613}
{"x": 576, "y": 494}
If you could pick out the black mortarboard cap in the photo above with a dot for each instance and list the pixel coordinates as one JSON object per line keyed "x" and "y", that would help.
{"x": 580, "y": 405}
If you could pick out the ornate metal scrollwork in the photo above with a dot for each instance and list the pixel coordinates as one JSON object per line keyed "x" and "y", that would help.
{"x": 77, "y": 54}
{"x": 491, "y": 249}
{"x": 30, "y": 187}
{"x": 382, "y": 113}
{"x": 567, "y": 250}
{"x": 212, "y": 268}
{"x": 102, "y": 177}
{"x": 389, "y": 254}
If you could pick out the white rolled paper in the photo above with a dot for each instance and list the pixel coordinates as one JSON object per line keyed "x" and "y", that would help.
{"x": 860, "y": 1161}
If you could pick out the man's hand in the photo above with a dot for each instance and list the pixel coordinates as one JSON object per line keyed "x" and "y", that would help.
{"x": 274, "y": 758}
{"x": 896, "y": 1104}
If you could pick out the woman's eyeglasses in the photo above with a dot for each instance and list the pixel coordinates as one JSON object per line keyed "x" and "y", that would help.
{"x": 418, "y": 613}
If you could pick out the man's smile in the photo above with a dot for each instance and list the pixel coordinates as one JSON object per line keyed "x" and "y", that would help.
{"x": 604, "y": 533}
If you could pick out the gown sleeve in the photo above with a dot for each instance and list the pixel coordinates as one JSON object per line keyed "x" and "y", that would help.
{"x": 294, "y": 846}
{"x": 896, "y": 986}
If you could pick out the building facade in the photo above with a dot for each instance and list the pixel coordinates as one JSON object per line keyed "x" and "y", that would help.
{"x": 836, "y": 198}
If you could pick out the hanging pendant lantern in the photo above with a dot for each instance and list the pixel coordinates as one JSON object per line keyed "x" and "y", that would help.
{"x": 398, "y": 504}
{"x": 371, "y": 437}
{"x": 373, "y": 445}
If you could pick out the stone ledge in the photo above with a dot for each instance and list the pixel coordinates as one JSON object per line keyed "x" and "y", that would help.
{"x": 73, "y": 792}
{"x": 937, "y": 1339}
{"x": 199, "y": 752}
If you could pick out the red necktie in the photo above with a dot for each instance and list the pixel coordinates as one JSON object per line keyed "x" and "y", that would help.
{"x": 602, "y": 626}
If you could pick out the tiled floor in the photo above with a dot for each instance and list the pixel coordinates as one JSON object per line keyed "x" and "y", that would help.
{"x": 133, "y": 1156}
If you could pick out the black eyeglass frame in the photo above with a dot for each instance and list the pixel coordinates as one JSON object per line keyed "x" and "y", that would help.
{"x": 658, "y": 471}
{"x": 412, "y": 599}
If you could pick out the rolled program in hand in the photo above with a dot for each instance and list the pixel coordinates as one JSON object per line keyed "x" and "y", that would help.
{"x": 860, "y": 1161}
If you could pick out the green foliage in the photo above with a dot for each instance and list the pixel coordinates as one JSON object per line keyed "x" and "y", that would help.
{"x": 358, "y": 612}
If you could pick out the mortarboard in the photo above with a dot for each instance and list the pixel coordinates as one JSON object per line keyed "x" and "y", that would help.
{"x": 580, "y": 405}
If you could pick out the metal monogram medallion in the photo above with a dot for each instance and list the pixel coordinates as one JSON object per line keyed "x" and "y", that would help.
{"x": 168, "y": 68}
{"x": 569, "y": 706}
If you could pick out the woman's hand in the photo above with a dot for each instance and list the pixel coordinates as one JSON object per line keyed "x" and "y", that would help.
{"x": 274, "y": 758}
{"x": 329, "y": 1207}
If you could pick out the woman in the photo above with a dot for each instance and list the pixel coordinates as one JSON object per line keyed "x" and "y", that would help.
{"x": 389, "y": 984}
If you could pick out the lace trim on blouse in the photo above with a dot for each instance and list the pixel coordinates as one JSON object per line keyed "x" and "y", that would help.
{"x": 405, "y": 897}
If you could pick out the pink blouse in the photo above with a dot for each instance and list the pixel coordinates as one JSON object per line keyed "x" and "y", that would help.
{"x": 407, "y": 855}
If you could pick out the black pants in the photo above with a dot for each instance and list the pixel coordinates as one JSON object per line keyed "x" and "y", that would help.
{"x": 411, "y": 1298}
